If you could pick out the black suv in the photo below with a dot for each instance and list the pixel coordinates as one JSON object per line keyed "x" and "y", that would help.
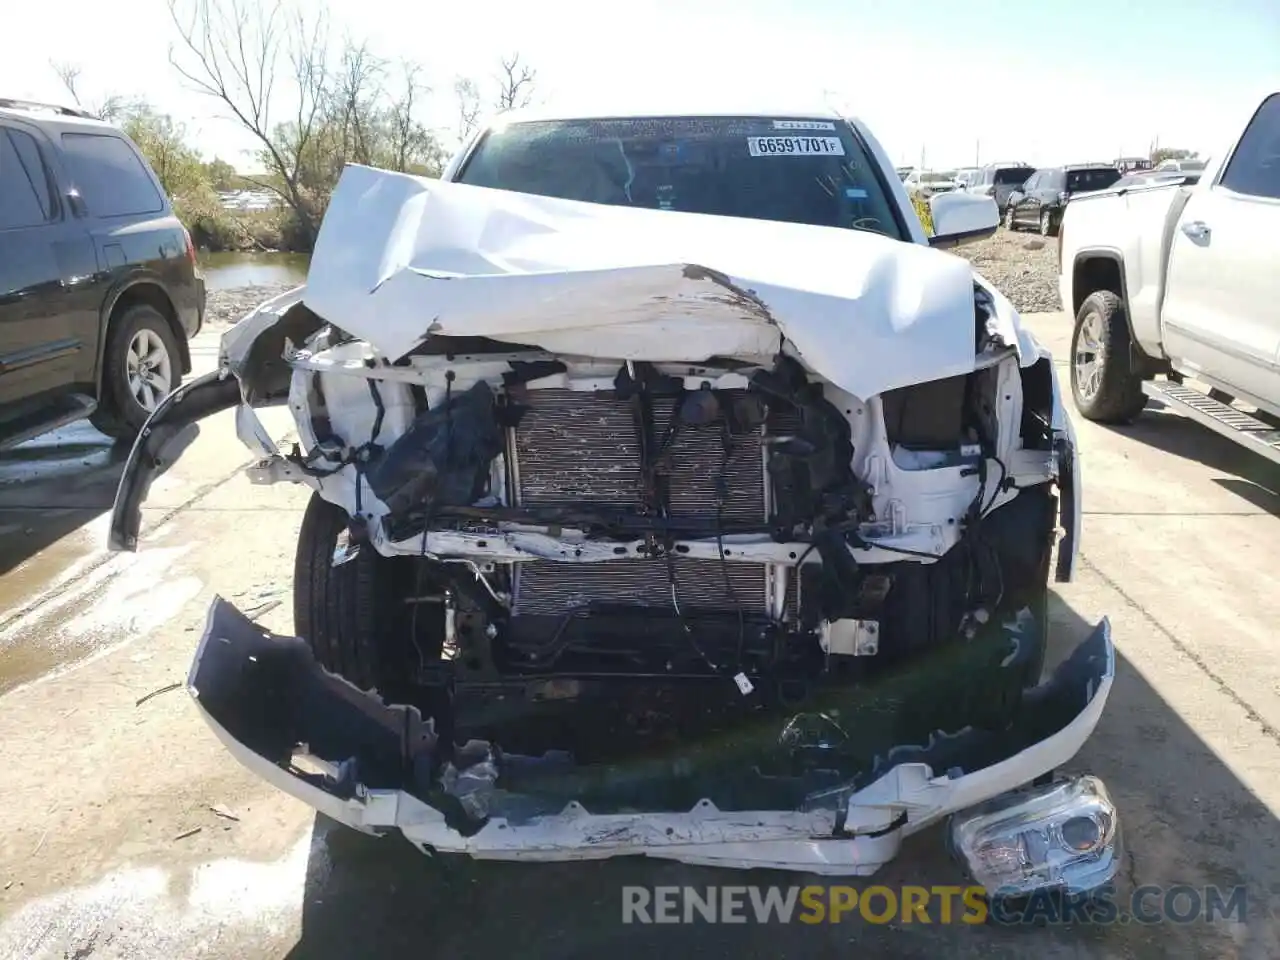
{"x": 999, "y": 180}
{"x": 99, "y": 289}
{"x": 1040, "y": 201}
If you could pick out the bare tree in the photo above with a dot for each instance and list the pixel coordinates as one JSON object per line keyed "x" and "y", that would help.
{"x": 353, "y": 101}
{"x": 515, "y": 84}
{"x": 113, "y": 107}
{"x": 468, "y": 95}
{"x": 410, "y": 141}
{"x": 231, "y": 53}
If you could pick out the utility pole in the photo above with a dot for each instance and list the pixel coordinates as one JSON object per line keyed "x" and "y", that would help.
{"x": 977, "y": 153}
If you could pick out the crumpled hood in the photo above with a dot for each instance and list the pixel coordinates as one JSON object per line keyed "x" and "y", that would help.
{"x": 400, "y": 258}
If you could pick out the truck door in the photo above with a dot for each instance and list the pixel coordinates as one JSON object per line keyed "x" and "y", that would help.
{"x": 1022, "y": 198}
{"x": 47, "y": 266}
{"x": 1221, "y": 310}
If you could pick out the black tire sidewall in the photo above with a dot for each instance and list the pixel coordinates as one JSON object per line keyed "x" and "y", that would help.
{"x": 341, "y": 612}
{"x": 1046, "y": 223}
{"x": 123, "y": 409}
{"x": 1081, "y": 405}
{"x": 1119, "y": 398}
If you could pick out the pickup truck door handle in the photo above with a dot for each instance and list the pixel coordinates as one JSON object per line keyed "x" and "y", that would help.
{"x": 1196, "y": 229}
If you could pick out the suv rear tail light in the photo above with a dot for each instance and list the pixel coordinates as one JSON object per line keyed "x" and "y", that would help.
{"x": 191, "y": 247}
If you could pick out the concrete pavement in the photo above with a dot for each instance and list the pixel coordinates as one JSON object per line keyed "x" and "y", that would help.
{"x": 99, "y": 858}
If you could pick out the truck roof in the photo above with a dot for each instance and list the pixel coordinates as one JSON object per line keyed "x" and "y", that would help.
{"x": 57, "y": 116}
{"x": 816, "y": 111}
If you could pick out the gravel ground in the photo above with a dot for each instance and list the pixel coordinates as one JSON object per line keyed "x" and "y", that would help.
{"x": 1022, "y": 266}
{"x": 225, "y": 307}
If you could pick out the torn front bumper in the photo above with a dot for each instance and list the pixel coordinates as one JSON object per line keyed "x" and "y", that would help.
{"x": 269, "y": 702}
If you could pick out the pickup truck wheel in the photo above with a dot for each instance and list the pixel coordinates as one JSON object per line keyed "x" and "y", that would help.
{"x": 140, "y": 367}
{"x": 1103, "y": 382}
{"x": 1046, "y": 224}
{"x": 340, "y": 601}
{"x": 1008, "y": 219}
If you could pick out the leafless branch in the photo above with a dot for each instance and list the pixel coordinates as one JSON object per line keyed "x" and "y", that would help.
{"x": 353, "y": 100}
{"x": 112, "y": 108}
{"x": 515, "y": 84}
{"x": 230, "y": 52}
{"x": 408, "y": 137}
{"x": 468, "y": 95}
{"x": 69, "y": 74}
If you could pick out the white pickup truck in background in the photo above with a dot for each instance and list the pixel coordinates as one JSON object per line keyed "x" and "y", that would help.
{"x": 1183, "y": 281}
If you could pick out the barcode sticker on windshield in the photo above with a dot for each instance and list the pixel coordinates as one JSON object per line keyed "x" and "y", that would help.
{"x": 803, "y": 125}
{"x": 795, "y": 146}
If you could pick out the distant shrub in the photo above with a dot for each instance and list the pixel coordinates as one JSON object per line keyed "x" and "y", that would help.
{"x": 215, "y": 228}
{"x": 923, "y": 212}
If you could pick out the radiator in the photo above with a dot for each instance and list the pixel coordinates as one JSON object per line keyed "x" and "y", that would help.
{"x": 573, "y": 447}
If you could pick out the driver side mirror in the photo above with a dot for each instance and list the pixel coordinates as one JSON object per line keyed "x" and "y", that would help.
{"x": 961, "y": 218}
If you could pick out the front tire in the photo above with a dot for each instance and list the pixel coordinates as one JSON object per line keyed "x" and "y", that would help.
{"x": 1047, "y": 228}
{"x": 1104, "y": 384}
{"x": 141, "y": 365}
{"x": 340, "y": 610}
{"x": 1009, "y": 223}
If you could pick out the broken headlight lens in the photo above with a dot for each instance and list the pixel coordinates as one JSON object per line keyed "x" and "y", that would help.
{"x": 1062, "y": 836}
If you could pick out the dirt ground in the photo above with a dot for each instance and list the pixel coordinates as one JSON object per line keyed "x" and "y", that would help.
{"x": 131, "y": 833}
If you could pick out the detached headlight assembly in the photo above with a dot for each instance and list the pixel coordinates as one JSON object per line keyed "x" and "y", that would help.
{"x": 1062, "y": 836}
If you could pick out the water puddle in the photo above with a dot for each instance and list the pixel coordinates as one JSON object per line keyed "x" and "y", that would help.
{"x": 113, "y": 603}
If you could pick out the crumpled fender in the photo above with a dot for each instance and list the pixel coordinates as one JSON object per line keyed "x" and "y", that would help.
{"x": 252, "y": 369}
{"x": 1070, "y": 484}
{"x": 166, "y": 434}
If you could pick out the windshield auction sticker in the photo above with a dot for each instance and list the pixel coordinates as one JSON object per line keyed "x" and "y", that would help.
{"x": 803, "y": 125}
{"x": 795, "y": 146}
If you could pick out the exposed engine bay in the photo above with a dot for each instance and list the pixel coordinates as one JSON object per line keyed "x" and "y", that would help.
{"x": 549, "y": 529}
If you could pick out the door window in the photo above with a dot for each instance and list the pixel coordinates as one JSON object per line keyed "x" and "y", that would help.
{"x": 1033, "y": 181}
{"x": 1097, "y": 178}
{"x": 110, "y": 176}
{"x": 1254, "y": 169}
{"x": 25, "y": 197}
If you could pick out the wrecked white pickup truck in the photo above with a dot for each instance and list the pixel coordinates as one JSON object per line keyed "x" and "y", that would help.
{"x": 671, "y": 497}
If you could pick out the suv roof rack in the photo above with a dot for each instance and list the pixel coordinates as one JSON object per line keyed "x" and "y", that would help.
{"x": 7, "y": 103}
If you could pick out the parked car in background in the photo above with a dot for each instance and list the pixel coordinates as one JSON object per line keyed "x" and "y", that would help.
{"x": 999, "y": 180}
{"x": 1144, "y": 177}
{"x": 1181, "y": 281}
{"x": 1132, "y": 164}
{"x": 1040, "y": 201}
{"x": 99, "y": 289}
{"x": 1186, "y": 165}
{"x": 967, "y": 176}
{"x": 903, "y": 172}
{"x": 927, "y": 183}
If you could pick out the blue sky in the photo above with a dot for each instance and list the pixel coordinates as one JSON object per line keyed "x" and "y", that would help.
{"x": 1040, "y": 80}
